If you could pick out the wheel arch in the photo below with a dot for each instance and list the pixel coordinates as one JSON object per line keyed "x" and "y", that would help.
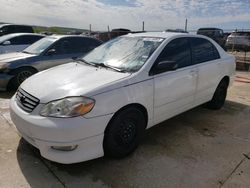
{"x": 132, "y": 105}
{"x": 14, "y": 70}
{"x": 225, "y": 79}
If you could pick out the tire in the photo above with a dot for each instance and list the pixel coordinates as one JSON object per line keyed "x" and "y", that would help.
{"x": 123, "y": 133}
{"x": 219, "y": 96}
{"x": 21, "y": 74}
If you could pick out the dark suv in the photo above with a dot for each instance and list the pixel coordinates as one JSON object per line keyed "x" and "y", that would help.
{"x": 11, "y": 28}
{"x": 214, "y": 33}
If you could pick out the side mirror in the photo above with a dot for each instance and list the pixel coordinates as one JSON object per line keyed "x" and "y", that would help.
{"x": 6, "y": 43}
{"x": 51, "y": 52}
{"x": 167, "y": 66}
{"x": 164, "y": 66}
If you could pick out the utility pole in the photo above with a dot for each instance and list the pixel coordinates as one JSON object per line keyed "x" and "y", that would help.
{"x": 89, "y": 28}
{"x": 143, "y": 26}
{"x": 109, "y": 33}
{"x": 186, "y": 24}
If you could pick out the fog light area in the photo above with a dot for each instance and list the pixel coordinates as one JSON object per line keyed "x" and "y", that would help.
{"x": 64, "y": 148}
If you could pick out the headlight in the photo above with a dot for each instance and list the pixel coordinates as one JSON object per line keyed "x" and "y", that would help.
{"x": 68, "y": 107}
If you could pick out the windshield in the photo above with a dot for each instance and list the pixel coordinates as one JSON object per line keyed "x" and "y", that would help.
{"x": 39, "y": 46}
{"x": 124, "y": 53}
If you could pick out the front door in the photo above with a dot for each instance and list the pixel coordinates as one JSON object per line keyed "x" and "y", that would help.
{"x": 174, "y": 91}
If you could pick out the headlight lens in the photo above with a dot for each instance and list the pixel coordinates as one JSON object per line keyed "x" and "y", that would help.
{"x": 68, "y": 107}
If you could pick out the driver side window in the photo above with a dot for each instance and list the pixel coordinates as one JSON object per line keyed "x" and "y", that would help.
{"x": 62, "y": 47}
{"x": 177, "y": 50}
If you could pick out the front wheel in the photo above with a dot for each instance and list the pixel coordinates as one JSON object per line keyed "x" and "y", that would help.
{"x": 124, "y": 132}
{"x": 219, "y": 96}
{"x": 20, "y": 75}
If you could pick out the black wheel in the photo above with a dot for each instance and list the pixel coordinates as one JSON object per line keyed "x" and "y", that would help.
{"x": 219, "y": 96}
{"x": 124, "y": 132}
{"x": 21, "y": 74}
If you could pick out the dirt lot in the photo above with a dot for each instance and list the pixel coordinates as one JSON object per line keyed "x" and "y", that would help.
{"x": 199, "y": 148}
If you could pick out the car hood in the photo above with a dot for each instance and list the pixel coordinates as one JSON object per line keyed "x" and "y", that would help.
{"x": 9, "y": 57}
{"x": 72, "y": 79}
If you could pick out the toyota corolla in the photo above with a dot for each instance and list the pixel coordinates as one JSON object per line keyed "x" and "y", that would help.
{"x": 102, "y": 103}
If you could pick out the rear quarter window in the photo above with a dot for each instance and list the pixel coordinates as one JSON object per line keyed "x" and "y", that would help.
{"x": 203, "y": 50}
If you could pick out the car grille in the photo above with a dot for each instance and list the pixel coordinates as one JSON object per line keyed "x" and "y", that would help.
{"x": 26, "y": 101}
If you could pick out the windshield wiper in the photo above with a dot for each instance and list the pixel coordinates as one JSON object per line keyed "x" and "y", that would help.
{"x": 88, "y": 63}
{"x": 26, "y": 52}
{"x": 111, "y": 67}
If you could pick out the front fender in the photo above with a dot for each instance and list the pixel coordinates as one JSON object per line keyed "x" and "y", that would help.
{"x": 110, "y": 102}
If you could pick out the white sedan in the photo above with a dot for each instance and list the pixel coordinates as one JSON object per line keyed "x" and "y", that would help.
{"x": 102, "y": 103}
{"x": 17, "y": 42}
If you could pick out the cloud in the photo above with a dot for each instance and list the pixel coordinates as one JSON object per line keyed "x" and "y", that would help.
{"x": 157, "y": 14}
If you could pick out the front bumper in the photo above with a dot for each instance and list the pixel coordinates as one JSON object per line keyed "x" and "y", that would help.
{"x": 43, "y": 132}
{"x": 4, "y": 80}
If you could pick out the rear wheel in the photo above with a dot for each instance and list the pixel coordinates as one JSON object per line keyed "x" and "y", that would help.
{"x": 21, "y": 74}
{"x": 219, "y": 96}
{"x": 124, "y": 132}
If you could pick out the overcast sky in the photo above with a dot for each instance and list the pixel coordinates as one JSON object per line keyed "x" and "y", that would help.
{"x": 157, "y": 14}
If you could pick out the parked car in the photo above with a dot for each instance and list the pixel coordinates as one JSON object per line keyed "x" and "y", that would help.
{"x": 43, "y": 54}
{"x": 214, "y": 33}
{"x": 238, "y": 41}
{"x": 17, "y": 41}
{"x": 13, "y": 28}
{"x": 115, "y": 92}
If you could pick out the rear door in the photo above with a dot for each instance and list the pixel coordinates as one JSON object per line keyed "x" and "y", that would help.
{"x": 174, "y": 91}
{"x": 207, "y": 59}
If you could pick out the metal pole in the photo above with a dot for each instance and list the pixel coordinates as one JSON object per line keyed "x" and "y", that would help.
{"x": 89, "y": 28}
{"x": 143, "y": 26}
{"x": 109, "y": 33}
{"x": 186, "y": 25}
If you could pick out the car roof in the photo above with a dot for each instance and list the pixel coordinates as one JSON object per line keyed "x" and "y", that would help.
{"x": 209, "y": 28}
{"x": 56, "y": 36}
{"x": 20, "y": 34}
{"x": 160, "y": 34}
{"x": 10, "y": 36}
{"x": 7, "y": 24}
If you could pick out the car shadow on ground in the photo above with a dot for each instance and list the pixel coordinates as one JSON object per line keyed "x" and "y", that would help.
{"x": 167, "y": 140}
{"x": 6, "y": 95}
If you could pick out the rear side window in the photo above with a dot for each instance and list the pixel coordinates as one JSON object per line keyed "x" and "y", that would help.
{"x": 203, "y": 50}
{"x": 23, "y": 29}
{"x": 83, "y": 45}
{"x": 76, "y": 45}
{"x": 177, "y": 50}
{"x": 63, "y": 46}
{"x": 90, "y": 44}
{"x": 23, "y": 40}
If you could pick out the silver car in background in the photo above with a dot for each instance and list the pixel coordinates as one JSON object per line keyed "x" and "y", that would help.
{"x": 238, "y": 41}
{"x": 17, "y": 42}
{"x": 43, "y": 54}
